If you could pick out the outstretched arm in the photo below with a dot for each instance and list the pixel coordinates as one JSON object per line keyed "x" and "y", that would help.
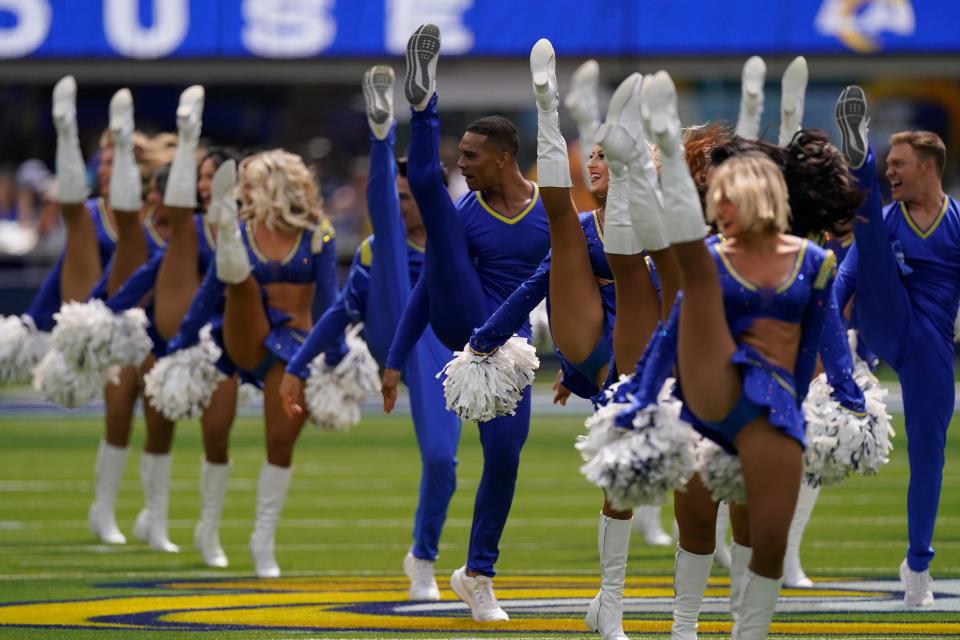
{"x": 514, "y": 311}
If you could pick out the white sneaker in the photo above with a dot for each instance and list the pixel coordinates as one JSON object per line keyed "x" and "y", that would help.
{"x": 378, "y": 95}
{"x": 477, "y": 592}
{"x": 917, "y": 586}
{"x": 423, "y": 51}
{"x": 852, "y": 120}
{"x": 423, "y": 584}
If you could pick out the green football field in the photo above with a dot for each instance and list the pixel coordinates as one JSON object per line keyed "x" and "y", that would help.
{"x": 347, "y": 525}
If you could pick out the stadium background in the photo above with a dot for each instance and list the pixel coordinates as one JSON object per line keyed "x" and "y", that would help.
{"x": 286, "y": 73}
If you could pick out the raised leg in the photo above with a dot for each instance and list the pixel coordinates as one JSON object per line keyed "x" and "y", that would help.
{"x": 460, "y": 303}
{"x": 245, "y": 324}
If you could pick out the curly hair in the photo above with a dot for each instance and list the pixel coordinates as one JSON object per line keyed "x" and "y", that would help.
{"x": 698, "y": 143}
{"x": 276, "y": 187}
{"x": 824, "y": 196}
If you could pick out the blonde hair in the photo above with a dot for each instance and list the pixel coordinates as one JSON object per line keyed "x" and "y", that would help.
{"x": 276, "y": 186}
{"x": 755, "y": 186}
{"x": 928, "y": 145}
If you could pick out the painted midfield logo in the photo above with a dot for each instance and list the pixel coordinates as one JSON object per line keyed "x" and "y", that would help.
{"x": 537, "y": 604}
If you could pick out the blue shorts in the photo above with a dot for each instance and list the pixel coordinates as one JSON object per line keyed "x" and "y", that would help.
{"x": 581, "y": 377}
{"x": 768, "y": 391}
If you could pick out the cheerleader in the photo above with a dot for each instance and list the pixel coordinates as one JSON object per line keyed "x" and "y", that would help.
{"x": 269, "y": 270}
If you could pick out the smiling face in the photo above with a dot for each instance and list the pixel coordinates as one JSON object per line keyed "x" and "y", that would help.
{"x": 599, "y": 173}
{"x": 907, "y": 172}
{"x": 204, "y": 180}
{"x": 479, "y": 163}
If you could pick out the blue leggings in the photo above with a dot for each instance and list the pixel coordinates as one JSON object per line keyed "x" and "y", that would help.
{"x": 437, "y": 430}
{"x": 923, "y": 360}
{"x": 459, "y": 301}
{"x": 502, "y": 439}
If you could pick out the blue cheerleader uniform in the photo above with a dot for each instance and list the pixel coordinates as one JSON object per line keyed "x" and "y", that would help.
{"x": 907, "y": 283}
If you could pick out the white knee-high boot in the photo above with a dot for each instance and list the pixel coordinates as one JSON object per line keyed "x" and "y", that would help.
{"x": 739, "y": 559}
{"x": 181, "y": 191}
{"x": 71, "y": 171}
{"x": 126, "y": 192}
{"x": 757, "y": 604}
{"x": 213, "y": 490}
{"x": 108, "y": 472}
{"x": 646, "y": 522}
{"x": 690, "y": 575}
{"x": 605, "y": 613}
{"x": 151, "y": 523}
{"x": 793, "y": 574}
{"x": 271, "y": 494}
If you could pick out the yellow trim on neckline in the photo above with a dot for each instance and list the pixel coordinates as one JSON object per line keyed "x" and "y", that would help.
{"x": 261, "y": 257}
{"x": 783, "y": 286}
{"x": 520, "y": 216}
{"x": 148, "y": 225}
{"x": 105, "y": 219}
{"x": 416, "y": 247}
{"x": 933, "y": 226}
{"x": 596, "y": 221}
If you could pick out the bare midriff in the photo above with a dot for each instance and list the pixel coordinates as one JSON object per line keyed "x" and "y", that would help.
{"x": 776, "y": 340}
{"x": 295, "y": 300}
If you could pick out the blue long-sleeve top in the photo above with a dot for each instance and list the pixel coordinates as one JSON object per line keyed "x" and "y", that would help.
{"x": 350, "y": 307}
{"x": 413, "y": 322}
{"x": 312, "y": 260}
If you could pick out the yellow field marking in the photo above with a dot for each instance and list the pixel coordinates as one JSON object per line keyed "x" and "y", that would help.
{"x": 319, "y": 604}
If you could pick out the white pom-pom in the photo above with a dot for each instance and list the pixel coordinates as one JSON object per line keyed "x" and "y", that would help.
{"x": 92, "y": 338}
{"x": 181, "y": 384}
{"x": 330, "y": 409}
{"x": 483, "y": 387}
{"x": 720, "y": 472}
{"x": 602, "y": 429}
{"x": 841, "y": 442}
{"x": 647, "y": 462}
{"x": 248, "y": 394}
{"x": 334, "y": 394}
{"x": 62, "y": 385}
{"x": 21, "y": 348}
{"x": 540, "y": 326}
